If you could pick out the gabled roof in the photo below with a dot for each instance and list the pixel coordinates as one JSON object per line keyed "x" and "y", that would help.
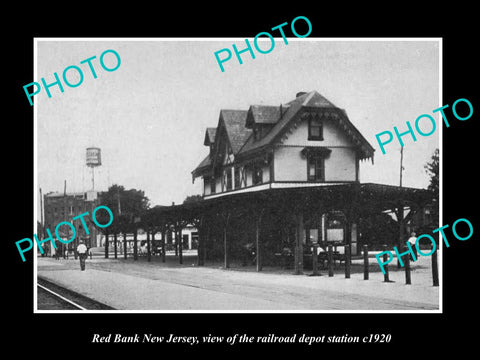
{"x": 204, "y": 165}
{"x": 314, "y": 99}
{"x": 294, "y": 107}
{"x": 210, "y": 136}
{"x": 307, "y": 101}
{"x": 234, "y": 121}
{"x": 238, "y": 124}
{"x": 264, "y": 114}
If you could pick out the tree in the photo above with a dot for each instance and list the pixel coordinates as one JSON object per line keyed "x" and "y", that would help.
{"x": 191, "y": 199}
{"x": 126, "y": 205}
{"x": 432, "y": 169}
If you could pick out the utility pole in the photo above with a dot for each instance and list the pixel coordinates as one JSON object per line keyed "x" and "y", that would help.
{"x": 118, "y": 201}
{"x": 41, "y": 211}
{"x": 65, "y": 211}
{"x": 401, "y": 165}
{"x": 400, "y": 213}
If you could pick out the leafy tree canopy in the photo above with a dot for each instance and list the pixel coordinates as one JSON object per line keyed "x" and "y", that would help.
{"x": 127, "y": 206}
{"x": 432, "y": 169}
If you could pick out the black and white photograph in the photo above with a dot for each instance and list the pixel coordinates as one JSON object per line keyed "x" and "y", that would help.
{"x": 238, "y": 195}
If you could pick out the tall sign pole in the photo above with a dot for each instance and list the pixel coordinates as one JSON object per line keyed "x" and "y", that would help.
{"x": 93, "y": 159}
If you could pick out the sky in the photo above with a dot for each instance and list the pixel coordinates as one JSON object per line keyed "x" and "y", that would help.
{"x": 149, "y": 116}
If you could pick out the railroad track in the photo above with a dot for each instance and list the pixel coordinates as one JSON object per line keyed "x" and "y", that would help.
{"x": 51, "y": 296}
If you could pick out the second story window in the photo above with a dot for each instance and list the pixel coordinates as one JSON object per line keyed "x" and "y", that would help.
{"x": 228, "y": 176}
{"x": 257, "y": 175}
{"x": 236, "y": 180}
{"x": 315, "y": 129}
{"x": 316, "y": 168}
{"x": 212, "y": 185}
{"x": 315, "y": 156}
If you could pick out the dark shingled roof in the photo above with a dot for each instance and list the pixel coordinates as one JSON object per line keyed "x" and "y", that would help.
{"x": 313, "y": 98}
{"x": 294, "y": 107}
{"x": 238, "y": 123}
{"x": 264, "y": 114}
{"x": 237, "y": 133}
{"x": 234, "y": 121}
{"x": 308, "y": 100}
{"x": 205, "y": 164}
{"x": 210, "y": 136}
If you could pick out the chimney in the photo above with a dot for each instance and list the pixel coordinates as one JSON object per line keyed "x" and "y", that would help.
{"x": 300, "y": 93}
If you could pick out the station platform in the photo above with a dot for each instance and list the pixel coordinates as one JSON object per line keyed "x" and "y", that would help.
{"x": 138, "y": 285}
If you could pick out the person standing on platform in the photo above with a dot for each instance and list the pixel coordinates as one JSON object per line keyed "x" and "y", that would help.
{"x": 82, "y": 253}
{"x": 412, "y": 239}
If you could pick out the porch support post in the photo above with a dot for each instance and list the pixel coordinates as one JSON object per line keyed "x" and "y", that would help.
{"x": 348, "y": 245}
{"x": 206, "y": 241}
{"x": 135, "y": 245}
{"x": 315, "y": 260}
{"x": 164, "y": 234}
{"x": 201, "y": 242}
{"x": 435, "y": 268}
{"x": 330, "y": 260}
{"x": 176, "y": 240}
{"x": 225, "y": 242}
{"x": 258, "y": 221}
{"x": 401, "y": 230}
{"x": 299, "y": 244}
{"x": 106, "y": 245}
{"x": 115, "y": 244}
{"x": 347, "y": 262}
{"x": 125, "y": 245}
{"x": 148, "y": 247}
{"x": 365, "y": 262}
{"x": 178, "y": 235}
{"x": 153, "y": 239}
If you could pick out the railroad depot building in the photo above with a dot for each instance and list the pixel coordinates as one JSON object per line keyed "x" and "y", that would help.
{"x": 284, "y": 179}
{"x": 306, "y": 142}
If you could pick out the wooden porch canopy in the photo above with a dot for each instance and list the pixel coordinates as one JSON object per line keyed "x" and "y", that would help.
{"x": 378, "y": 197}
{"x": 300, "y": 203}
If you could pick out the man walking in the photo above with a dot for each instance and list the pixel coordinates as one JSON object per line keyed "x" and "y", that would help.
{"x": 82, "y": 253}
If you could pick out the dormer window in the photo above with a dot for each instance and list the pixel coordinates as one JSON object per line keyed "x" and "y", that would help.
{"x": 257, "y": 174}
{"x": 257, "y": 132}
{"x": 315, "y": 129}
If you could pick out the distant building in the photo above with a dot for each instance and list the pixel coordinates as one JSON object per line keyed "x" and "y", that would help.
{"x": 60, "y": 207}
